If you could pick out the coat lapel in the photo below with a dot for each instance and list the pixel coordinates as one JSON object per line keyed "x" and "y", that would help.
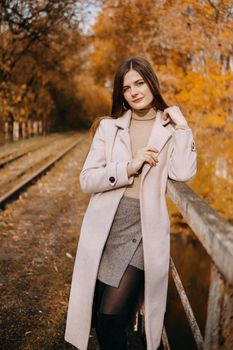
{"x": 158, "y": 136}
{"x": 123, "y": 124}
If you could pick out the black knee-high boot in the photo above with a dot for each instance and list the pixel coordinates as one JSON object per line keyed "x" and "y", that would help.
{"x": 111, "y": 331}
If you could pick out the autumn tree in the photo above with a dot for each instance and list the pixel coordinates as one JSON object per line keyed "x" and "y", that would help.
{"x": 42, "y": 50}
{"x": 189, "y": 44}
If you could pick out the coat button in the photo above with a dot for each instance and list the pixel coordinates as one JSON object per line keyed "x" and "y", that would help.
{"x": 134, "y": 240}
{"x": 193, "y": 148}
{"x": 112, "y": 179}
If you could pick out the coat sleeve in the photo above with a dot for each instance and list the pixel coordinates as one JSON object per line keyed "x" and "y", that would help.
{"x": 182, "y": 165}
{"x": 98, "y": 175}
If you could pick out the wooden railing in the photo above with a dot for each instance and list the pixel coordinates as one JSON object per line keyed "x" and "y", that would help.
{"x": 14, "y": 131}
{"x": 216, "y": 236}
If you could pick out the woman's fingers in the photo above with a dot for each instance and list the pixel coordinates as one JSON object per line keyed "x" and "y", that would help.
{"x": 150, "y": 148}
{"x": 147, "y": 154}
{"x": 152, "y": 154}
{"x": 151, "y": 151}
{"x": 151, "y": 159}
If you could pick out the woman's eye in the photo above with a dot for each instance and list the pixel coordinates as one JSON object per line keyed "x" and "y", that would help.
{"x": 124, "y": 90}
{"x": 140, "y": 82}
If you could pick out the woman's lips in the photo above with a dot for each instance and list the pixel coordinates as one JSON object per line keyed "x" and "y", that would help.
{"x": 138, "y": 100}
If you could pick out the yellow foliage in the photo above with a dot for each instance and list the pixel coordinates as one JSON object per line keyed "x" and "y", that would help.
{"x": 96, "y": 100}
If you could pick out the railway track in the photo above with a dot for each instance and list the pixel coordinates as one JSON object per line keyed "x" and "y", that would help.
{"x": 30, "y": 162}
{"x": 19, "y": 149}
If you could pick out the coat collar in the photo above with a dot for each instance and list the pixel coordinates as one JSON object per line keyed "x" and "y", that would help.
{"x": 123, "y": 122}
{"x": 159, "y": 135}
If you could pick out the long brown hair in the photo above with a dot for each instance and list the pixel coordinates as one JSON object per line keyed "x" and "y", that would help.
{"x": 119, "y": 104}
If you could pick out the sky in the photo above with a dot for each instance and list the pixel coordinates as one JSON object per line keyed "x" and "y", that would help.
{"x": 88, "y": 10}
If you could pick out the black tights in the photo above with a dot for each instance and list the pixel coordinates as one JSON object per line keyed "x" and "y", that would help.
{"x": 114, "y": 305}
{"x": 111, "y": 300}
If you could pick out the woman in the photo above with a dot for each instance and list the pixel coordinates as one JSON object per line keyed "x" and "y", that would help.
{"x": 122, "y": 260}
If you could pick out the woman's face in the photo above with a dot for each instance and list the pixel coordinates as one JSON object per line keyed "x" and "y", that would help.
{"x": 135, "y": 91}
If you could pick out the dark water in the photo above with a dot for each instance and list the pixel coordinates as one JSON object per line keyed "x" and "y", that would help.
{"x": 193, "y": 265}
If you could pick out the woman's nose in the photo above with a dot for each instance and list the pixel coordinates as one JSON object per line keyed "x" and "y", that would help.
{"x": 133, "y": 91}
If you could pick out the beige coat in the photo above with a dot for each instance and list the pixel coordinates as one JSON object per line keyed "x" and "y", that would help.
{"x": 104, "y": 176}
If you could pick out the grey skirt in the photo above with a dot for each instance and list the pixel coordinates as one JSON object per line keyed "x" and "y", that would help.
{"x": 124, "y": 243}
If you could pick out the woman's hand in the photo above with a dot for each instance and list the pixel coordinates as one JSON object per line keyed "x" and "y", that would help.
{"x": 145, "y": 154}
{"x": 174, "y": 114}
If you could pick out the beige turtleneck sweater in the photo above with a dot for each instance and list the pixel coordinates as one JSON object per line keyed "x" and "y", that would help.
{"x": 139, "y": 131}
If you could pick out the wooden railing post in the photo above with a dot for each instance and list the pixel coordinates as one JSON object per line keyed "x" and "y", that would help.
{"x": 218, "y": 330}
{"x": 15, "y": 131}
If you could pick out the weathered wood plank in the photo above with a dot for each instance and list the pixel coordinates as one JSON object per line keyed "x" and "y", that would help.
{"x": 219, "y": 324}
{"x": 214, "y": 232}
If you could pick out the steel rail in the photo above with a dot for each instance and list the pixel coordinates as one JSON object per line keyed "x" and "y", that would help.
{"x": 14, "y": 192}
